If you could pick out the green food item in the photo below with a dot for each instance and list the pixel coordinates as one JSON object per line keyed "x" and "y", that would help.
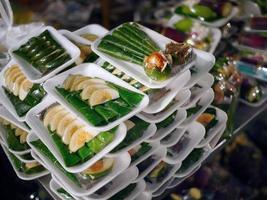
{"x": 20, "y": 166}
{"x": 43, "y": 52}
{"x": 130, "y": 97}
{"x": 92, "y": 57}
{"x": 193, "y": 157}
{"x": 46, "y": 152}
{"x": 184, "y": 25}
{"x": 119, "y": 53}
{"x": 35, "y": 95}
{"x": 159, "y": 172}
{"x": 193, "y": 110}
{"x": 133, "y": 134}
{"x": 119, "y": 107}
{"x": 27, "y": 157}
{"x": 13, "y": 141}
{"x": 108, "y": 114}
{"x": 74, "y": 99}
{"x": 85, "y": 153}
{"x": 158, "y": 75}
{"x": 70, "y": 159}
{"x": 63, "y": 193}
{"x": 121, "y": 44}
{"x": 145, "y": 147}
{"x": 124, "y": 193}
{"x": 102, "y": 168}
{"x": 197, "y": 11}
{"x": 166, "y": 122}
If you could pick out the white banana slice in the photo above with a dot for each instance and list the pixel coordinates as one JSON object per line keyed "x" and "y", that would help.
{"x": 103, "y": 95}
{"x": 30, "y": 165}
{"x": 79, "y": 138}
{"x": 64, "y": 122}
{"x": 90, "y": 89}
{"x": 69, "y": 81}
{"x": 11, "y": 77}
{"x": 77, "y": 81}
{"x": 56, "y": 119}
{"x": 19, "y": 132}
{"x": 17, "y": 84}
{"x": 50, "y": 113}
{"x": 82, "y": 85}
{"x": 69, "y": 130}
{"x": 25, "y": 88}
{"x": 22, "y": 138}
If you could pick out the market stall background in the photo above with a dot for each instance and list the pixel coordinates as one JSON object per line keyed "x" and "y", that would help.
{"x": 111, "y": 15}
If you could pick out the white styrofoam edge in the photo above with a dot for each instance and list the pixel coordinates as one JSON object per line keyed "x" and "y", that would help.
{"x": 140, "y": 75}
{"x": 25, "y": 177}
{"x": 43, "y": 133}
{"x": 222, "y": 120}
{"x": 121, "y": 163}
{"x": 181, "y": 98}
{"x": 150, "y": 131}
{"x": 163, "y": 132}
{"x": 174, "y": 137}
{"x": 195, "y": 135}
{"x": 33, "y": 74}
{"x": 93, "y": 70}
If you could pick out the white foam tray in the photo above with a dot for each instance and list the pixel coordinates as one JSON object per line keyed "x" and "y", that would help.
{"x": 205, "y": 82}
{"x": 96, "y": 29}
{"x": 179, "y": 99}
{"x": 215, "y": 32}
{"x": 194, "y": 133}
{"x": 176, "y": 181}
{"x": 4, "y": 98}
{"x": 144, "y": 196}
{"x": 121, "y": 163}
{"x": 207, "y": 151}
{"x": 173, "y": 137}
{"x": 162, "y": 189}
{"x": 221, "y": 116}
{"x": 155, "y": 186}
{"x": 219, "y": 22}
{"x": 137, "y": 71}
{"x": 161, "y": 133}
{"x": 150, "y": 131}
{"x": 33, "y": 74}
{"x": 24, "y": 160}
{"x": 205, "y": 100}
{"x": 54, "y": 186}
{"x": 118, "y": 183}
{"x": 92, "y": 70}
{"x": 21, "y": 175}
{"x": 158, "y": 155}
{"x": 43, "y": 133}
{"x": 174, "y": 87}
{"x": 9, "y": 117}
{"x": 155, "y": 146}
{"x": 217, "y": 138}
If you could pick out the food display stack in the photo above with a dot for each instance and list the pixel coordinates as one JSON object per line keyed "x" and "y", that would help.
{"x": 123, "y": 114}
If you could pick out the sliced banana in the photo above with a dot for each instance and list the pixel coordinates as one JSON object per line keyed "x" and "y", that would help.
{"x": 69, "y": 81}
{"x": 25, "y": 88}
{"x": 50, "y": 114}
{"x": 19, "y": 132}
{"x": 82, "y": 85}
{"x": 77, "y": 81}
{"x": 30, "y": 165}
{"x": 11, "y": 77}
{"x": 64, "y": 122}
{"x": 103, "y": 95}
{"x": 90, "y": 89}
{"x": 56, "y": 119}
{"x": 22, "y": 138}
{"x": 129, "y": 124}
{"x": 17, "y": 84}
{"x": 69, "y": 130}
{"x": 79, "y": 138}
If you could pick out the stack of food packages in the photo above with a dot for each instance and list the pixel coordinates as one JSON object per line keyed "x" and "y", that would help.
{"x": 123, "y": 114}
